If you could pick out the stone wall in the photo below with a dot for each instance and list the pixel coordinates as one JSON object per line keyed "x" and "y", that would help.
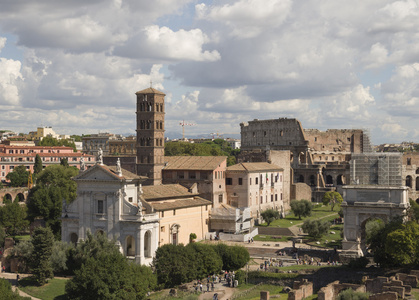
{"x": 301, "y": 289}
{"x": 332, "y": 290}
{"x": 300, "y": 191}
{"x": 384, "y": 296}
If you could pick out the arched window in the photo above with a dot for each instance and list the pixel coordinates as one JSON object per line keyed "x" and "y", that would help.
{"x": 329, "y": 179}
{"x": 409, "y": 181}
{"x": 130, "y": 246}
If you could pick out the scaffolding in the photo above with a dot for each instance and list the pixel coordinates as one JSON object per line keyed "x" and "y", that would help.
{"x": 376, "y": 169}
{"x": 366, "y": 141}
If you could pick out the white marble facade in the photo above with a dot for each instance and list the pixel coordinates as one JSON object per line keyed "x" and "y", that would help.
{"x": 108, "y": 202}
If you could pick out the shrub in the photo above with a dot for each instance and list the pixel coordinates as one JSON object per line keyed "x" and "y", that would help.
{"x": 358, "y": 263}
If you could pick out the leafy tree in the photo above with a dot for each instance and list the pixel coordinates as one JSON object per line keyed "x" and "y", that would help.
{"x": 54, "y": 185}
{"x": 192, "y": 237}
{"x": 6, "y": 291}
{"x": 301, "y": 208}
{"x": 218, "y": 147}
{"x": 2, "y": 236}
{"x": 64, "y": 162}
{"x": 332, "y": 198}
{"x": 174, "y": 265}
{"x": 372, "y": 228}
{"x": 413, "y": 210}
{"x": 18, "y": 177}
{"x": 59, "y": 256}
{"x": 13, "y": 217}
{"x": 270, "y": 215}
{"x": 37, "y": 168}
{"x": 23, "y": 252}
{"x": 42, "y": 241}
{"x": 378, "y": 242}
{"x": 53, "y": 142}
{"x": 316, "y": 228}
{"x": 403, "y": 244}
{"x": 233, "y": 257}
{"x": 206, "y": 259}
{"x": 106, "y": 274}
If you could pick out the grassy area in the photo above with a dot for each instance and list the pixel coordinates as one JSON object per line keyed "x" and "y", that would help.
{"x": 318, "y": 212}
{"x": 53, "y": 290}
{"x": 269, "y": 238}
{"x": 252, "y": 292}
{"x": 330, "y": 240}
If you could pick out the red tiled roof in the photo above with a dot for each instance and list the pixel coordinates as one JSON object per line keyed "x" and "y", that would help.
{"x": 206, "y": 163}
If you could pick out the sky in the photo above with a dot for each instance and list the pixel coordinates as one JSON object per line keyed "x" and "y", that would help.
{"x": 332, "y": 64}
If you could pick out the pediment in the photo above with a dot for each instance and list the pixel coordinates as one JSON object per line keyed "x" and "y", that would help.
{"x": 99, "y": 173}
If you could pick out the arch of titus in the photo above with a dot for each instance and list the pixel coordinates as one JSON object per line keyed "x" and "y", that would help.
{"x": 368, "y": 202}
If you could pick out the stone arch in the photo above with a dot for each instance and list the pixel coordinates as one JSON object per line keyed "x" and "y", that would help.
{"x": 417, "y": 183}
{"x": 312, "y": 180}
{"x": 417, "y": 171}
{"x": 130, "y": 246}
{"x": 340, "y": 180}
{"x": 302, "y": 158}
{"x": 74, "y": 238}
{"x": 363, "y": 234}
{"x": 300, "y": 178}
{"x": 147, "y": 244}
{"x": 174, "y": 233}
{"x": 8, "y": 197}
{"x": 409, "y": 181}
{"x": 329, "y": 179}
{"x": 20, "y": 197}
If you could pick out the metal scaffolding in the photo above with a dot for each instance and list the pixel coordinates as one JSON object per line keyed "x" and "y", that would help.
{"x": 376, "y": 169}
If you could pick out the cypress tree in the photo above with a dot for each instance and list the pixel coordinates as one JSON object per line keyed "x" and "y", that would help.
{"x": 38, "y": 165}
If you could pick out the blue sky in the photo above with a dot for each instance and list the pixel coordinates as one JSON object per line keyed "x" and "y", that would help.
{"x": 76, "y": 65}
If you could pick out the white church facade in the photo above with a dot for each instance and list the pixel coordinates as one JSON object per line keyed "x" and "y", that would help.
{"x": 108, "y": 202}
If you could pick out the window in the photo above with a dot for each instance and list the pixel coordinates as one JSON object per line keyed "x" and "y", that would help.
{"x": 261, "y": 199}
{"x": 162, "y": 229}
{"x": 240, "y": 181}
{"x": 162, "y": 214}
{"x": 220, "y": 198}
{"x": 276, "y": 197}
{"x": 409, "y": 161}
{"x": 272, "y": 198}
{"x": 130, "y": 199}
{"x": 192, "y": 175}
{"x": 174, "y": 212}
{"x": 250, "y": 181}
{"x": 229, "y": 181}
{"x": 256, "y": 180}
{"x": 100, "y": 206}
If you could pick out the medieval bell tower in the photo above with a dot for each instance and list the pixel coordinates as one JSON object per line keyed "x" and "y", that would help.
{"x": 150, "y": 135}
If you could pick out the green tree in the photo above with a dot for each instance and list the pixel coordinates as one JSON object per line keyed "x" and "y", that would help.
{"x": 402, "y": 244}
{"x": 233, "y": 257}
{"x": 332, "y": 198}
{"x": 54, "y": 185}
{"x": 207, "y": 261}
{"x": 315, "y": 228}
{"x": 42, "y": 240}
{"x": 106, "y": 274}
{"x": 37, "y": 168}
{"x": 174, "y": 265}
{"x": 372, "y": 227}
{"x": 64, "y": 162}
{"x": 414, "y": 210}
{"x": 59, "y": 256}
{"x": 6, "y": 291}
{"x": 301, "y": 208}
{"x": 270, "y": 215}
{"x": 53, "y": 142}
{"x": 23, "y": 252}
{"x": 2, "y": 236}
{"x": 13, "y": 217}
{"x": 18, "y": 177}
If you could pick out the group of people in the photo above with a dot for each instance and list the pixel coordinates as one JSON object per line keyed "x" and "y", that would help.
{"x": 250, "y": 240}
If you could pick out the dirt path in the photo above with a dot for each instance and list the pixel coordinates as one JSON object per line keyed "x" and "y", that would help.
{"x": 12, "y": 279}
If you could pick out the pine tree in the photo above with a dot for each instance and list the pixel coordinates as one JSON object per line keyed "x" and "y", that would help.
{"x": 38, "y": 165}
{"x": 42, "y": 241}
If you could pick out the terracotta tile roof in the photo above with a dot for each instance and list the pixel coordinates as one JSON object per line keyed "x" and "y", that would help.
{"x": 150, "y": 90}
{"x": 125, "y": 173}
{"x": 72, "y": 154}
{"x": 254, "y": 167}
{"x": 179, "y": 203}
{"x": 165, "y": 191}
{"x": 206, "y": 163}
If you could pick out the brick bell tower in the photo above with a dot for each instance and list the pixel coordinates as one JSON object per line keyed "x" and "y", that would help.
{"x": 150, "y": 135}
